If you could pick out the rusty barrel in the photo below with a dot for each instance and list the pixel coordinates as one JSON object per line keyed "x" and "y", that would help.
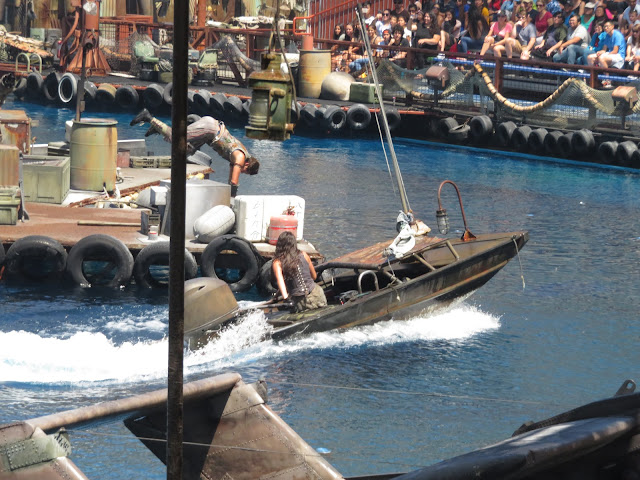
{"x": 314, "y": 65}
{"x": 94, "y": 152}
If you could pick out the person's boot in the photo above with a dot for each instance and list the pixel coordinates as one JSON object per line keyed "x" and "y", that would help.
{"x": 234, "y": 190}
{"x": 143, "y": 117}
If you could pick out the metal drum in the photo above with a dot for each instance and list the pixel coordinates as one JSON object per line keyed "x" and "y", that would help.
{"x": 314, "y": 65}
{"x": 94, "y": 153}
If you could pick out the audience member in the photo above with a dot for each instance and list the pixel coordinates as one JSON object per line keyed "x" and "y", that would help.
{"x": 498, "y": 34}
{"x": 399, "y": 57}
{"x": 477, "y": 28}
{"x": 449, "y": 31}
{"x": 357, "y": 65}
{"x": 597, "y": 37}
{"x": 407, "y": 32}
{"x": 337, "y": 51}
{"x": 633, "y": 5}
{"x": 544, "y": 19}
{"x": 633, "y": 49}
{"x": 384, "y": 23}
{"x": 554, "y": 6}
{"x": 427, "y": 37}
{"x": 525, "y": 38}
{"x": 586, "y": 19}
{"x": 612, "y": 49}
{"x": 554, "y": 35}
{"x": 399, "y": 10}
{"x": 572, "y": 49}
{"x": 507, "y": 7}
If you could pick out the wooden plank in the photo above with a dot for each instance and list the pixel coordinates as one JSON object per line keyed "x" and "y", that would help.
{"x": 372, "y": 255}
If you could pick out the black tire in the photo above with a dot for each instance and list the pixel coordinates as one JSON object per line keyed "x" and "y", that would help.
{"x": 551, "y": 143}
{"x": 90, "y": 91}
{"x": 481, "y": 129}
{"x": 127, "y": 97}
{"x": 158, "y": 254}
{"x": 233, "y": 107}
{"x": 247, "y": 258}
{"x": 36, "y": 257}
{"x": 68, "y": 88}
{"x": 101, "y": 248}
{"x": 607, "y": 152}
{"x": 536, "y": 140}
{"x": 106, "y": 94}
{"x": 308, "y": 114}
{"x": 504, "y": 131}
{"x": 50, "y": 86}
{"x": 152, "y": 96}
{"x": 191, "y": 102}
{"x": 459, "y": 134}
{"x": 21, "y": 88}
{"x": 335, "y": 118}
{"x": 564, "y": 145}
{"x": 246, "y": 107}
{"x": 393, "y": 118}
{"x": 320, "y": 116}
{"x": 294, "y": 111}
{"x": 520, "y": 138}
{"x": 358, "y": 117}
{"x": 635, "y": 163}
{"x": 445, "y": 125}
{"x": 167, "y": 93}
{"x": 583, "y": 142}
{"x": 34, "y": 84}
{"x": 266, "y": 283}
{"x": 216, "y": 105}
{"x": 201, "y": 101}
{"x": 624, "y": 152}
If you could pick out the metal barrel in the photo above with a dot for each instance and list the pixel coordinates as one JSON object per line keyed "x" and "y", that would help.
{"x": 94, "y": 151}
{"x": 314, "y": 65}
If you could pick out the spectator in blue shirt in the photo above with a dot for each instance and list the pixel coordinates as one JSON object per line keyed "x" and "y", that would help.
{"x": 612, "y": 51}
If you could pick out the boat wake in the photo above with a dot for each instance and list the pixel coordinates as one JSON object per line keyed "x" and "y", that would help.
{"x": 93, "y": 357}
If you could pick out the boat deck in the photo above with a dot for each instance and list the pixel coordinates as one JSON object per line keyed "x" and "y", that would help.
{"x": 373, "y": 254}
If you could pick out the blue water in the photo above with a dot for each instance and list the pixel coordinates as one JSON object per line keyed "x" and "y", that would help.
{"x": 394, "y": 396}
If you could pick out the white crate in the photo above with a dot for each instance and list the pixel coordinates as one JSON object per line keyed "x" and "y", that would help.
{"x": 253, "y": 213}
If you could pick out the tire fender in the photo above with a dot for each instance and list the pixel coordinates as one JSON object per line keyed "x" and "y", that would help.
{"x": 167, "y": 93}
{"x": 459, "y": 133}
{"x": 248, "y": 258}
{"x": 68, "y": 88}
{"x": 607, "y": 152}
{"x": 106, "y": 94}
{"x": 100, "y": 247}
{"x": 90, "y": 91}
{"x": 233, "y": 107}
{"x": 358, "y": 117}
{"x": 635, "y": 163}
{"x": 393, "y": 118}
{"x": 152, "y": 96}
{"x": 520, "y": 138}
{"x": 504, "y": 131}
{"x": 34, "y": 84}
{"x": 583, "y": 142}
{"x": 246, "y": 107}
{"x": 564, "y": 145}
{"x": 481, "y": 129}
{"x": 308, "y": 114}
{"x": 266, "y": 282}
{"x": 127, "y": 97}
{"x": 27, "y": 254}
{"x": 334, "y": 118}
{"x": 158, "y": 254}
{"x": 445, "y": 125}
{"x": 294, "y": 111}
{"x": 551, "y": 143}
{"x": 216, "y": 105}
{"x": 624, "y": 152}
{"x": 201, "y": 101}
{"x": 50, "y": 86}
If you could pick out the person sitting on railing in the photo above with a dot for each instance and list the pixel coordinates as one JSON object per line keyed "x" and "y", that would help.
{"x": 525, "y": 38}
{"x": 596, "y": 41}
{"x": 612, "y": 49}
{"x": 499, "y": 32}
{"x": 633, "y": 49}
{"x": 427, "y": 37}
{"x": 572, "y": 49}
{"x": 399, "y": 57}
{"x": 477, "y": 28}
{"x": 552, "y": 38}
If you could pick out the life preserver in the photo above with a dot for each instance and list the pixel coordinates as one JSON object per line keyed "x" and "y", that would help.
{"x": 68, "y": 88}
{"x": 459, "y": 133}
{"x": 102, "y": 248}
{"x": 266, "y": 282}
{"x": 520, "y": 138}
{"x": 36, "y": 257}
{"x": 393, "y": 118}
{"x": 607, "y": 152}
{"x": 50, "y": 86}
{"x": 564, "y": 145}
{"x": 334, "y": 118}
{"x": 192, "y": 118}
{"x": 127, "y": 97}
{"x": 233, "y": 107}
{"x": 216, "y": 105}
{"x": 583, "y": 142}
{"x": 21, "y": 88}
{"x": 551, "y": 143}
{"x": 624, "y": 152}
{"x": 152, "y": 96}
{"x": 158, "y": 254}
{"x": 536, "y": 140}
{"x": 308, "y": 114}
{"x": 246, "y": 259}
{"x": 167, "y": 93}
{"x": 504, "y": 131}
{"x": 201, "y": 101}
{"x": 90, "y": 91}
{"x": 106, "y": 94}
{"x": 445, "y": 125}
{"x": 34, "y": 84}
{"x": 358, "y": 117}
{"x": 481, "y": 128}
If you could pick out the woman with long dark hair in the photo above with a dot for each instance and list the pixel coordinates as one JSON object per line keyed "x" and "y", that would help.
{"x": 296, "y": 275}
{"x": 477, "y": 30}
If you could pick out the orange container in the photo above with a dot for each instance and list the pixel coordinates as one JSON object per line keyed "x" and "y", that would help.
{"x": 279, "y": 224}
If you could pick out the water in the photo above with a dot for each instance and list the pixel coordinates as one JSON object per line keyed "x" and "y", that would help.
{"x": 390, "y": 397}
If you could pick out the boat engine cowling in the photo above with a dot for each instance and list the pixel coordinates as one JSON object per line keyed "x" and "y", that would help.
{"x": 208, "y": 302}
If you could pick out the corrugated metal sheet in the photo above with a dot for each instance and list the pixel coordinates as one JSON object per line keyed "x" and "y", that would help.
{"x": 108, "y": 8}
{"x": 329, "y": 13}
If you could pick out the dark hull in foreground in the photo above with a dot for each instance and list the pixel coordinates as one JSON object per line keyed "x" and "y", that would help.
{"x": 364, "y": 287}
{"x": 230, "y": 433}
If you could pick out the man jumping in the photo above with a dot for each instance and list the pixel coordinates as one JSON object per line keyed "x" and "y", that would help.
{"x": 214, "y": 133}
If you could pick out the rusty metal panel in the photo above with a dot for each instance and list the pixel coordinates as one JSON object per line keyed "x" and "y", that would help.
{"x": 373, "y": 254}
{"x": 9, "y": 165}
{"x": 15, "y": 129}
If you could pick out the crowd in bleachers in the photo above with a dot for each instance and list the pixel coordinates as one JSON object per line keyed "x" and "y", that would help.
{"x": 579, "y": 32}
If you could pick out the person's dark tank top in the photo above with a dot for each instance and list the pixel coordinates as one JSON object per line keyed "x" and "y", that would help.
{"x": 301, "y": 284}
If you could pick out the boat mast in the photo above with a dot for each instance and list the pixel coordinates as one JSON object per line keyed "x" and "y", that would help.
{"x": 175, "y": 399}
{"x": 403, "y": 193}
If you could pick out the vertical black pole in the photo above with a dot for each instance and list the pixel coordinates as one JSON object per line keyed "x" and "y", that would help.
{"x": 176, "y": 258}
